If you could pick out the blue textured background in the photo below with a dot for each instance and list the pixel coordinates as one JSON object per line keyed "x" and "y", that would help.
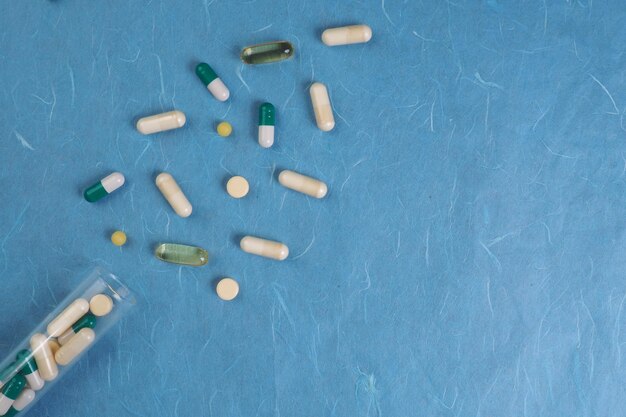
{"x": 469, "y": 259}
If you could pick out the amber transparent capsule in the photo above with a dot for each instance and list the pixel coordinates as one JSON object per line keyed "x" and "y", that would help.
{"x": 265, "y": 53}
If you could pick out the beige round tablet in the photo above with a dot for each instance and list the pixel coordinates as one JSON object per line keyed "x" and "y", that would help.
{"x": 237, "y": 187}
{"x": 100, "y": 305}
{"x": 227, "y": 289}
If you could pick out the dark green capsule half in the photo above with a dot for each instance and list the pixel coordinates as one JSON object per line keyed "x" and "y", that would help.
{"x": 267, "y": 114}
{"x": 95, "y": 192}
{"x": 267, "y": 52}
{"x": 30, "y": 365}
{"x": 205, "y": 73}
{"x": 182, "y": 254}
{"x": 88, "y": 320}
{"x": 14, "y": 387}
{"x": 11, "y": 413}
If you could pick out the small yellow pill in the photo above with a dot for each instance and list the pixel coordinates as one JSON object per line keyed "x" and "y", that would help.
{"x": 118, "y": 238}
{"x": 227, "y": 289}
{"x": 224, "y": 129}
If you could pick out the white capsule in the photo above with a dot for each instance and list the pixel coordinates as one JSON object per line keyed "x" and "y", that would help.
{"x": 266, "y": 136}
{"x": 113, "y": 181}
{"x": 263, "y": 247}
{"x": 302, "y": 183}
{"x": 218, "y": 89}
{"x": 5, "y": 404}
{"x": 35, "y": 381}
{"x": 26, "y": 397}
{"x": 43, "y": 356}
{"x": 173, "y": 194}
{"x": 347, "y": 35}
{"x": 161, "y": 122}
{"x": 76, "y": 345}
{"x": 321, "y": 106}
{"x": 69, "y": 316}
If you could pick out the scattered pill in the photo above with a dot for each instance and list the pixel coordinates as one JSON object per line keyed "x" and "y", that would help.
{"x": 118, "y": 238}
{"x": 173, "y": 194}
{"x": 224, "y": 129}
{"x": 212, "y": 82}
{"x": 100, "y": 305}
{"x": 322, "y": 108}
{"x": 88, "y": 320}
{"x": 75, "y": 346}
{"x": 347, "y": 35}
{"x": 237, "y": 187}
{"x": 43, "y": 356}
{"x": 69, "y": 316}
{"x": 267, "y": 115}
{"x": 29, "y": 369}
{"x": 104, "y": 187}
{"x": 161, "y": 122}
{"x": 182, "y": 254}
{"x": 21, "y": 402}
{"x": 302, "y": 183}
{"x": 10, "y": 392}
{"x": 263, "y": 247}
{"x": 227, "y": 289}
{"x": 267, "y": 52}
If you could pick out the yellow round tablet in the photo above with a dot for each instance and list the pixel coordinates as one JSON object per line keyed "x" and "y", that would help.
{"x": 227, "y": 289}
{"x": 237, "y": 187}
{"x": 224, "y": 129}
{"x": 100, "y": 305}
{"x": 118, "y": 238}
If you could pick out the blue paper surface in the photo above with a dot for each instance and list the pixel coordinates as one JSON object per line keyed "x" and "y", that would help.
{"x": 468, "y": 260}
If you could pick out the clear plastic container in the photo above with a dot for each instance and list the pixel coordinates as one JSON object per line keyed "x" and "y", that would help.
{"x": 58, "y": 342}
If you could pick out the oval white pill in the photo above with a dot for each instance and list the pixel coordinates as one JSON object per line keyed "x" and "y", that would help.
{"x": 301, "y": 183}
{"x": 161, "y": 122}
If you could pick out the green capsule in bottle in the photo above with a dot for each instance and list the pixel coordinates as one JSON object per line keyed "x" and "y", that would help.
{"x": 266, "y": 53}
{"x": 181, "y": 254}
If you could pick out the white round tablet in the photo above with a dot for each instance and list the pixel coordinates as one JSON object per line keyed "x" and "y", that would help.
{"x": 237, "y": 187}
{"x": 100, "y": 305}
{"x": 227, "y": 289}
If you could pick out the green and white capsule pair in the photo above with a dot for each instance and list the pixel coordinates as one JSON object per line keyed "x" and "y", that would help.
{"x": 267, "y": 119}
{"x": 29, "y": 369}
{"x": 104, "y": 187}
{"x": 213, "y": 83}
{"x": 21, "y": 402}
{"x": 88, "y": 320}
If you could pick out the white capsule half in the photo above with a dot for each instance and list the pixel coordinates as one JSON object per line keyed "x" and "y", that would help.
{"x": 321, "y": 106}
{"x": 69, "y": 316}
{"x": 5, "y": 404}
{"x": 43, "y": 356}
{"x": 76, "y": 345}
{"x": 266, "y": 136}
{"x": 303, "y": 184}
{"x": 161, "y": 122}
{"x": 113, "y": 181}
{"x": 347, "y": 35}
{"x": 264, "y": 247}
{"x": 218, "y": 89}
{"x": 26, "y": 397}
{"x": 35, "y": 381}
{"x": 173, "y": 194}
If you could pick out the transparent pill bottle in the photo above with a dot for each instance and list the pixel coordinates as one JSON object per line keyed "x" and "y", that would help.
{"x": 112, "y": 300}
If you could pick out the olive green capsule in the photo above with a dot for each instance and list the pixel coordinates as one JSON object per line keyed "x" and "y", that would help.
{"x": 181, "y": 254}
{"x": 267, "y": 52}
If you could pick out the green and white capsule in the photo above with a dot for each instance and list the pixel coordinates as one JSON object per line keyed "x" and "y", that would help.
{"x": 10, "y": 392}
{"x": 29, "y": 369}
{"x": 213, "y": 83}
{"x": 104, "y": 187}
{"x": 88, "y": 320}
{"x": 21, "y": 402}
{"x": 267, "y": 115}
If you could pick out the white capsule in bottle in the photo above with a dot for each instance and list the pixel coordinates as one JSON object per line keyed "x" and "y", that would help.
{"x": 76, "y": 345}
{"x": 69, "y": 316}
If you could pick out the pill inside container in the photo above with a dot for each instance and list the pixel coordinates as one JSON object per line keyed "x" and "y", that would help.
{"x": 39, "y": 361}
